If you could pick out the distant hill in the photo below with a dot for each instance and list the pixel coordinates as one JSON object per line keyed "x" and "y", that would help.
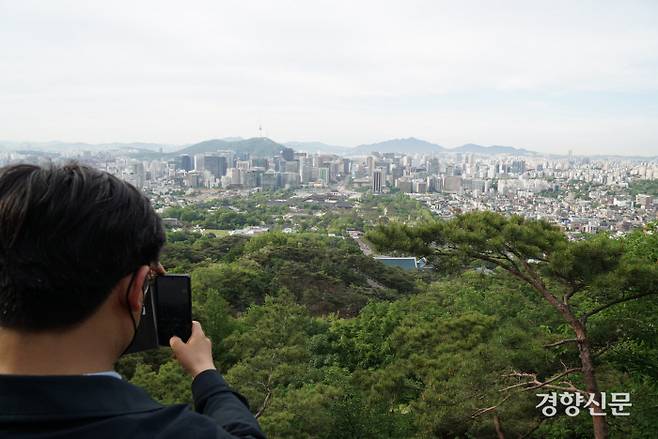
{"x": 413, "y": 145}
{"x": 38, "y": 153}
{"x": 69, "y": 147}
{"x": 319, "y": 147}
{"x": 265, "y": 147}
{"x": 491, "y": 150}
{"x": 138, "y": 146}
{"x": 256, "y": 146}
{"x": 408, "y": 145}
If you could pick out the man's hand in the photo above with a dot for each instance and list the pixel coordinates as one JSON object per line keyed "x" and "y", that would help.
{"x": 196, "y": 355}
{"x": 158, "y": 269}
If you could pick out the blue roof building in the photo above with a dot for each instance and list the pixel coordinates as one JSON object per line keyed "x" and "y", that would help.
{"x": 406, "y": 263}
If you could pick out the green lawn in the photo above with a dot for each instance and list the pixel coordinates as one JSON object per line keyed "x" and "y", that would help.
{"x": 218, "y": 233}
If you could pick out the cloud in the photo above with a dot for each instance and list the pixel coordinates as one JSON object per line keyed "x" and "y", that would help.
{"x": 526, "y": 73}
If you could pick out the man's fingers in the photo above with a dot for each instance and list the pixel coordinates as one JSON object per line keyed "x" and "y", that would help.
{"x": 175, "y": 341}
{"x": 197, "y": 331}
{"x": 196, "y": 355}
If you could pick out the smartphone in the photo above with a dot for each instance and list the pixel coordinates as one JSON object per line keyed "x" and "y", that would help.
{"x": 167, "y": 312}
{"x": 146, "y": 336}
{"x": 172, "y": 302}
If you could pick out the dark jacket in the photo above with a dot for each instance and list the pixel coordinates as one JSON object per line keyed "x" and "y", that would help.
{"x": 106, "y": 407}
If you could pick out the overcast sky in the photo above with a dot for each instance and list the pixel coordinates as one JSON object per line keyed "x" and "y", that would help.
{"x": 544, "y": 75}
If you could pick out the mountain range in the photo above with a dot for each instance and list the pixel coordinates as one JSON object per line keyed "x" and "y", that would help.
{"x": 316, "y": 147}
{"x": 265, "y": 147}
{"x": 68, "y": 147}
{"x": 491, "y": 150}
{"x": 256, "y": 146}
{"x": 409, "y": 145}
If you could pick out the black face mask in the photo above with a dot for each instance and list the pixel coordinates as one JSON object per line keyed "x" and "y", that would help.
{"x": 130, "y": 313}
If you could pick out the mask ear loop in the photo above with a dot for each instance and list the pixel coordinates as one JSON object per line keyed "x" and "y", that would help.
{"x": 132, "y": 318}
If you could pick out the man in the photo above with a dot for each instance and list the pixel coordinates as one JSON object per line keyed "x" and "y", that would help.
{"x": 76, "y": 248}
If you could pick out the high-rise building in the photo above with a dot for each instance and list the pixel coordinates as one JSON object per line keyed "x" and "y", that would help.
{"x": 209, "y": 179}
{"x": 347, "y": 167}
{"x": 223, "y": 165}
{"x": 518, "y": 167}
{"x": 288, "y": 154}
{"x": 438, "y": 185}
{"x": 138, "y": 174}
{"x": 194, "y": 179}
{"x": 259, "y": 163}
{"x": 234, "y": 175}
{"x": 290, "y": 180}
{"x": 477, "y": 186}
{"x": 420, "y": 186}
{"x": 215, "y": 165}
{"x": 431, "y": 183}
{"x": 370, "y": 162}
{"x": 291, "y": 166}
{"x": 397, "y": 171}
{"x": 433, "y": 166}
{"x": 377, "y": 177}
{"x": 452, "y": 183}
{"x": 305, "y": 172}
{"x": 270, "y": 179}
{"x": 199, "y": 162}
{"x": 324, "y": 175}
{"x": 404, "y": 185}
{"x": 185, "y": 162}
{"x": 249, "y": 178}
{"x": 157, "y": 169}
{"x": 229, "y": 156}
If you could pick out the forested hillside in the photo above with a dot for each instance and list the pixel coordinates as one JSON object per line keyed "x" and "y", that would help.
{"x": 328, "y": 343}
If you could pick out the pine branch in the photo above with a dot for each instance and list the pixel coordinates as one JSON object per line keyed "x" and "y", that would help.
{"x": 534, "y": 383}
{"x": 481, "y": 412}
{"x": 561, "y": 342}
{"x": 614, "y": 302}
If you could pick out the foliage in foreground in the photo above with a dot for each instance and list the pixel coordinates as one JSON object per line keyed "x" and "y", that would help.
{"x": 417, "y": 358}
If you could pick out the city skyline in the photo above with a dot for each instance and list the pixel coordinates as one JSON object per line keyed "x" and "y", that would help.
{"x": 561, "y": 76}
{"x": 577, "y": 193}
{"x": 314, "y": 147}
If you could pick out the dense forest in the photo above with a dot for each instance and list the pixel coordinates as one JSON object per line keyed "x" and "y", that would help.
{"x": 280, "y": 210}
{"x": 648, "y": 187}
{"x": 328, "y": 343}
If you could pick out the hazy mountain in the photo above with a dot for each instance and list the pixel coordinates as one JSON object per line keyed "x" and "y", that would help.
{"x": 319, "y": 147}
{"x": 69, "y": 147}
{"x": 491, "y": 150}
{"x": 140, "y": 146}
{"x": 265, "y": 147}
{"x": 256, "y": 146}
{"x": 29, "y": 152}
{"x": 410, "y": 145}
{"x": 418, "y": 146}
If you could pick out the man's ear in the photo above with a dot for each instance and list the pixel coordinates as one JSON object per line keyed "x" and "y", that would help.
{"x": 136, "y": 295}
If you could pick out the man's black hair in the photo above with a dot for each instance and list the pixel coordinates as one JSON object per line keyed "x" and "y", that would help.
{"x": 68, "y": 234}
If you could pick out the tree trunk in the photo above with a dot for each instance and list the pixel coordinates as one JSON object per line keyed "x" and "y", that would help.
{"x": 599, "y": 422}
{"x": 531, "y": 277}
{"x": 499, "y": 428}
